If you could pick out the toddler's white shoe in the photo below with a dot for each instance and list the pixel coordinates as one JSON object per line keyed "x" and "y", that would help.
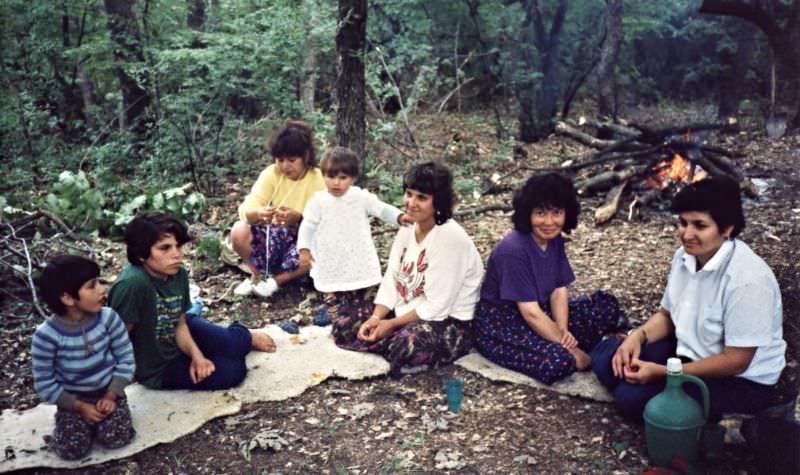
{"x": 265, "y": 288}
{"x": 244, "y": 288}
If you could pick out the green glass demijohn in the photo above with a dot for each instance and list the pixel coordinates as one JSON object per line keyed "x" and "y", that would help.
{"x": 674, "y": 421}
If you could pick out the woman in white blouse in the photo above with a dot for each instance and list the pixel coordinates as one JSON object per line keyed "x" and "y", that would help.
{"x": 721, "y": 313}
{"x": 422, "y": 312}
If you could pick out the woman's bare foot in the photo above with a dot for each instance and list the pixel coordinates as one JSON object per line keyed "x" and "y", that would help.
{"x": 582, "y": 360}
{"x": 262, "y": 341}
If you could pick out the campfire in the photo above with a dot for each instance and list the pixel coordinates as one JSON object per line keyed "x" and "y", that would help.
{"x": 678, "y": 170}
{"x": 650, "y": 164}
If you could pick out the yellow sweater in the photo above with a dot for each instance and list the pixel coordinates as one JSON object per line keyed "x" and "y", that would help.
{"x": 274, "y": 189}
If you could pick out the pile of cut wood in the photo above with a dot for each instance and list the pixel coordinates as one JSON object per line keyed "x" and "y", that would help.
{"x": 651, "y": 164}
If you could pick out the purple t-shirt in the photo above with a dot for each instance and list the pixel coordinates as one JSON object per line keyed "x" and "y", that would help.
{"x": 519, "y": 271}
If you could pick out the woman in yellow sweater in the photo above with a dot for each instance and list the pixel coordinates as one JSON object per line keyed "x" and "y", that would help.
{"x": 266, "y": 234}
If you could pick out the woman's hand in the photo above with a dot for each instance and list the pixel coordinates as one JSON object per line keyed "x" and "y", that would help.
{"x": 375, "y": 329}
{"x": 368, "y": 328}
{"x": 260, "y": 216}
{"x": 568, "y": 341}
{"x": 286, "y": 216}
{"x": 384, "y": 329}
{"x": 643, "y": 372}
{"x": 627, "y": 352}
{"x": 200, "y": 369}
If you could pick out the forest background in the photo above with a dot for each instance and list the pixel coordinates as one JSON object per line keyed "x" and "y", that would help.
{"x": 106, "y": 104}
{"x": 114, "y": 106}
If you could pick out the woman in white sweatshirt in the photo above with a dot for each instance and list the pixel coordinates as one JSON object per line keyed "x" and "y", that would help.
{"x": 422, "y": 312}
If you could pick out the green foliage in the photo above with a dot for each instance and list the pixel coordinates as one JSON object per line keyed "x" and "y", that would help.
{"x": 209, "y": 248}
{"x": 178, "y": 201}
{"x": 77, "y": 201}
{"x": 82, "y": 205}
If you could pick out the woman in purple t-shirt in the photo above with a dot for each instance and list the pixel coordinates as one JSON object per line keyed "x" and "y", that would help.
{"x": 525, "y": 320}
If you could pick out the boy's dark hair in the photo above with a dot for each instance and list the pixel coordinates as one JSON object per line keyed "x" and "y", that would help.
{"x": 340, "y": 160}
{"x": 65, "y": 274}
{"x": 435, "y": 179}
{"x": 546, "y": 191}
{"x": 720, "y": 197}
{"x": 294, "y": 139}
{"x": 146, "y": 229}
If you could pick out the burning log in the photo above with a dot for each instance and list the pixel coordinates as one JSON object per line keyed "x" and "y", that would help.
{"x": 663, "y": 159}
{"x": 607, "y": 179}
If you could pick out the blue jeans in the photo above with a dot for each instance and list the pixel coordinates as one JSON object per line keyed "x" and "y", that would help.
{"x": 226, "y": 347}
{"x": 726, "y": 395}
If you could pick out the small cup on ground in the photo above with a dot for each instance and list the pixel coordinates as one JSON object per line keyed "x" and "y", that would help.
{"x": 454, "y": 391}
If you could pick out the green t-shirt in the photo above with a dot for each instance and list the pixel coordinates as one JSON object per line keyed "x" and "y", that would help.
{"x": 153, "y": 306}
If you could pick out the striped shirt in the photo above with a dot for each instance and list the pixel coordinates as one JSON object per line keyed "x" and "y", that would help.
{"x": 78, "y": 357}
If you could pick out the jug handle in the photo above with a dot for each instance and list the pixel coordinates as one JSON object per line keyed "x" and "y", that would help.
{"x": 688, "y": 378}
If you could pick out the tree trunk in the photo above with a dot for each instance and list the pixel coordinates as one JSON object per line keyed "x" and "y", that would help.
{"x": 350, "y": 82}
{"x": 70, "y": 106}
{"x": 538, "y": 93}
{"x": 735, "y": 65}
{"x": 196, "y": 14}
{"x": 780, "y": 22}
{"x": 606, "y": 79}
{"x": 127, "y": 47}
{"x": 310, "y": 71}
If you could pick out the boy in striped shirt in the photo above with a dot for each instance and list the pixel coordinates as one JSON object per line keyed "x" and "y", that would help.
{"x": 82, "y": 360}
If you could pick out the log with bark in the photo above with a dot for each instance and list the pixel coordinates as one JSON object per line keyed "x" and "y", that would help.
{"x": 607, "y": 211}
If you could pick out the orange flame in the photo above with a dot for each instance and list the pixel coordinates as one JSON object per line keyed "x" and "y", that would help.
{"x": 679, "y": 170}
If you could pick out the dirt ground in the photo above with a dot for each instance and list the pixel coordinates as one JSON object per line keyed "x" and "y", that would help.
{"x": 388, "y": 426}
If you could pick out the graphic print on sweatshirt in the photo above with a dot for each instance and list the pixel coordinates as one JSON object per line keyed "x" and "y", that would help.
{"x": 410, "y": 278}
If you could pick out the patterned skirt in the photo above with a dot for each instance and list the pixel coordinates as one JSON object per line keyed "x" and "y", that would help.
{"x": 416, "y": 347}
{"x": 503, "y": 336}
{"x": 282, "y": 256}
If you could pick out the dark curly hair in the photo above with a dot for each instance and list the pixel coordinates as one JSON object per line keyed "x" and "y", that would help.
{"x": 148, "y": 228}
{"x": 65, "y": 274}
{"x": 720, "y": 197}
{"x": 435, "y": 179}
{"x": 547, "y": 191}
{"x": 294, "y": 139}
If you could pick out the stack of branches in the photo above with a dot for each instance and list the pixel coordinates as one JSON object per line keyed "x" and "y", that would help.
{"x": 638, "y": 155}
{"x": 26, "y": 242}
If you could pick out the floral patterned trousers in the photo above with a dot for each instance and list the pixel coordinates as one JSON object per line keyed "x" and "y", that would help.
{"x": 503, "y": 336}
{"x": 72, "y": 437}
{"x": 414, "y": 348}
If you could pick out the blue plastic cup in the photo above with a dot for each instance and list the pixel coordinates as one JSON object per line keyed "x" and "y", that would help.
{"x": 453, "y": 388}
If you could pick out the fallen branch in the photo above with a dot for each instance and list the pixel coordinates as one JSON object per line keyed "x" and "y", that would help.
{"x": 582, "y": 137}
{"x": 29, "y": 271}
{"x": 484, "y": 209}
{"x": 607, "y": 211}
{"x": 616, "y": 128}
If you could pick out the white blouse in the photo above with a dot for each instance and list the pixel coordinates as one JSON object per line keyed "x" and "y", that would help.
{"x": 439, "y": 277}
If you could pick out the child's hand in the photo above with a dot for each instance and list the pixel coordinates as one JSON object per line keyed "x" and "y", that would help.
{"x": 200, "y": 369}
{"x": 106, "y": 406}
{"x": 306, "y": 259}
{"x": 404, "y": 220}
{"x": 88, "y": 412}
